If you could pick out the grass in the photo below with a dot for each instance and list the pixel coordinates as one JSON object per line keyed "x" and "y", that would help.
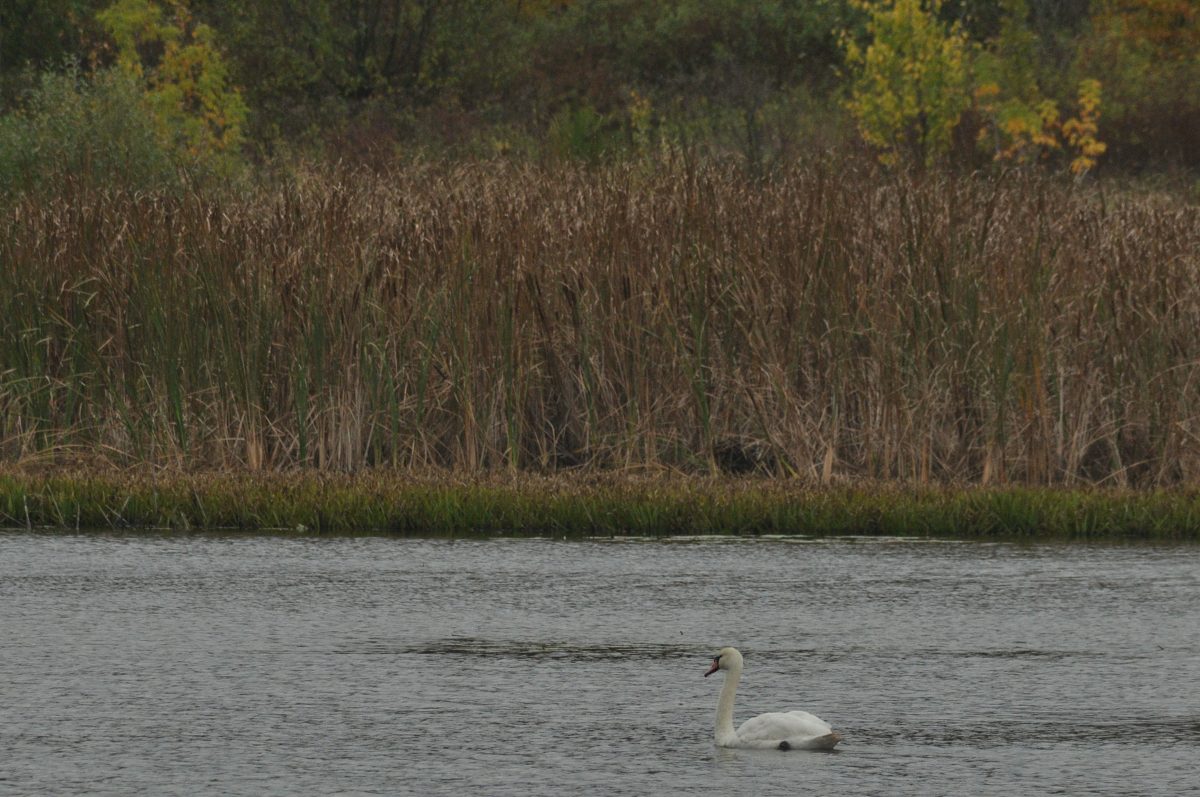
{"x": 439, "y": 503}
{"x": 826, "y": 323}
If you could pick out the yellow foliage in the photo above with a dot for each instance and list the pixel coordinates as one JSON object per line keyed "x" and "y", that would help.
{"x": 912, "y": 79}
{"x": 1082, "y": 130}
{"x": 1021, "y": 125}
{"x": 187, "y": 86}
{"x": 641, "y": 116}
{"x": 1031, "y": 134}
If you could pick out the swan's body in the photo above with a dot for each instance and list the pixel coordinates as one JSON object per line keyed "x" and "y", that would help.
{"x": 782, "y": 730}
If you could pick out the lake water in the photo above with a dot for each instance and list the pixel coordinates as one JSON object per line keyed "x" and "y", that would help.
{"x": 202, "y": 664}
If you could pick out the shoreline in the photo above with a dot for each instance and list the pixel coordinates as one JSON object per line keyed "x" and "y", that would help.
{"x": 583, "y": 504}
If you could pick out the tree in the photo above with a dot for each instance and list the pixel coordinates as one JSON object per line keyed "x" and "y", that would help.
{"x": 1019, "y": 122}
{"x": 199, "y": 113}
{"x": 42, "y": 33}
{"x": 911, "y": 81}
{"x": 1147, "y": 54}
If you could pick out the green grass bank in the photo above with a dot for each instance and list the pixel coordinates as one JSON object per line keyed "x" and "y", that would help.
{"x": 578, "y": 505}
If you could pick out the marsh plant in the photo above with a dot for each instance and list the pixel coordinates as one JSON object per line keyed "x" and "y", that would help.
{"x": 826, "y": 320}
{"x": 607, "y": 504}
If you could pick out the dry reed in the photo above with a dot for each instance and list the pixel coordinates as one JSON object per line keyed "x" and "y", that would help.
{"x": 827, "y": 322}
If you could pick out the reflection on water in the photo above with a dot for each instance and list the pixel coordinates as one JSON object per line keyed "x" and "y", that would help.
{"x": 224, "y": 665}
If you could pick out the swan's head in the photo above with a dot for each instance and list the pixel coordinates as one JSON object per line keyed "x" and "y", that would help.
{"x": 726, "y": 659}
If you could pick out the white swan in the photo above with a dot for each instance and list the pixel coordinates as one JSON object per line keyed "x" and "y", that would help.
{"x": 781, "y": 730}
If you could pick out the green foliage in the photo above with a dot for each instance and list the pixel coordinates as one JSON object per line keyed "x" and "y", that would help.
{"x": 1017, "y": 116}
{"x": 782, "y": 41}
{"x": 358, "y": 68}
{"x": 1020, "y": 123}
{"x": 42, "y": 34}
{"x": 368, "y": 79}
{"x": 1010, "y": 59}
{"x": 582, "y": 134}
{"x": 1146, "y": 54}
{"x": 911, "y": 80}
{"x": 708, "y": 48}
{"x": 97, "y": 129}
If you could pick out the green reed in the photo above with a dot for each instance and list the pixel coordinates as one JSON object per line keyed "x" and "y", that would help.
{"x": 430, "y": 503}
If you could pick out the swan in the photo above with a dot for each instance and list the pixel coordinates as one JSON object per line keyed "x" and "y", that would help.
{"x": 779, "y": 730}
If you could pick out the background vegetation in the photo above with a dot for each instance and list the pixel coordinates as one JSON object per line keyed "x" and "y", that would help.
{"x": 893, "y": 240}
{"x": 969, "y": 81}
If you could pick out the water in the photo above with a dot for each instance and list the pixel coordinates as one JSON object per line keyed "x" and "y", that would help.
{"x": 220, "y": 665}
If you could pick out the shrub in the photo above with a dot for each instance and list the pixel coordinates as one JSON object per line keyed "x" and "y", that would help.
{"x": 912, "y": 80}
{"x": 95, "y": 129}
{"x": 582, "y": 133}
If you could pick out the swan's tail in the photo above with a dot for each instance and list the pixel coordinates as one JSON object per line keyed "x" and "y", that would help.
{"x": 826, "y": 742}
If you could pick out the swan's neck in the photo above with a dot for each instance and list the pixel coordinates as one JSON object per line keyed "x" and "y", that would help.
{"x": 724, "y": 731}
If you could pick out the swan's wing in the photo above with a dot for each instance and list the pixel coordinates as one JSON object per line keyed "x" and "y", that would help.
{"x": 780, "y": 725}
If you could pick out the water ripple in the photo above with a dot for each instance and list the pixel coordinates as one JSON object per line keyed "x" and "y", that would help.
{"x": 491, "y": 648}
{"x": 255, "y": 665}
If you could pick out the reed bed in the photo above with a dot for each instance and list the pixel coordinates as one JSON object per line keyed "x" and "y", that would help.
{"x": 828, "y": 322}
